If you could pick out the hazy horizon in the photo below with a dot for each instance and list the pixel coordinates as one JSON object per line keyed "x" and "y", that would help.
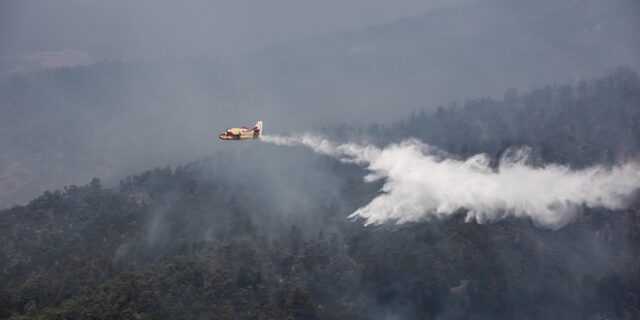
{"x": 73, "y": 32}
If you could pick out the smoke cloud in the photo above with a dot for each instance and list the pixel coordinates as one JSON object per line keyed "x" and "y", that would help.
{"x": 423, "y": 182}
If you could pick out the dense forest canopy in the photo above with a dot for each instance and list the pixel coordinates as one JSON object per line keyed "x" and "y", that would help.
{"x": 261, "y": 231}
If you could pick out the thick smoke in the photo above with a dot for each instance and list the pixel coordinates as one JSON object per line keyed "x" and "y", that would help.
{"x": 422, "y": 182}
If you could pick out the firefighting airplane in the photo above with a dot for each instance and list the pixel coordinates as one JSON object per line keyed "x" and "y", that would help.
{"x": 242, "y": 133}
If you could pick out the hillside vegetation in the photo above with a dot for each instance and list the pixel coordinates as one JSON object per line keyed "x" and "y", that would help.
{"x": 262, "y": 232}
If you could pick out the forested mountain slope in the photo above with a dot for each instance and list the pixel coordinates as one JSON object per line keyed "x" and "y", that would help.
{"x": 188, "y": 243}
{"x": 262, "y": 231}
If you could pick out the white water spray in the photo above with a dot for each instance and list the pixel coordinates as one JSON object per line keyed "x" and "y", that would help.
{"x": 422, "y": 184}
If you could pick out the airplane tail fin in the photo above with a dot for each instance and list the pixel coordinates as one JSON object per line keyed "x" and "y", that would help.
{"x": 257, "y": 129}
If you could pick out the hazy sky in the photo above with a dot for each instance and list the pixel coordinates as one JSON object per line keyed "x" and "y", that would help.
{"x": 146, "y": 28}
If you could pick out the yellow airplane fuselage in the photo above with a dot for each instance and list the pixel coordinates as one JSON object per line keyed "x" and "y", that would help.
{"x": 238, "y": 134}
{"x": 242, "y": 133}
